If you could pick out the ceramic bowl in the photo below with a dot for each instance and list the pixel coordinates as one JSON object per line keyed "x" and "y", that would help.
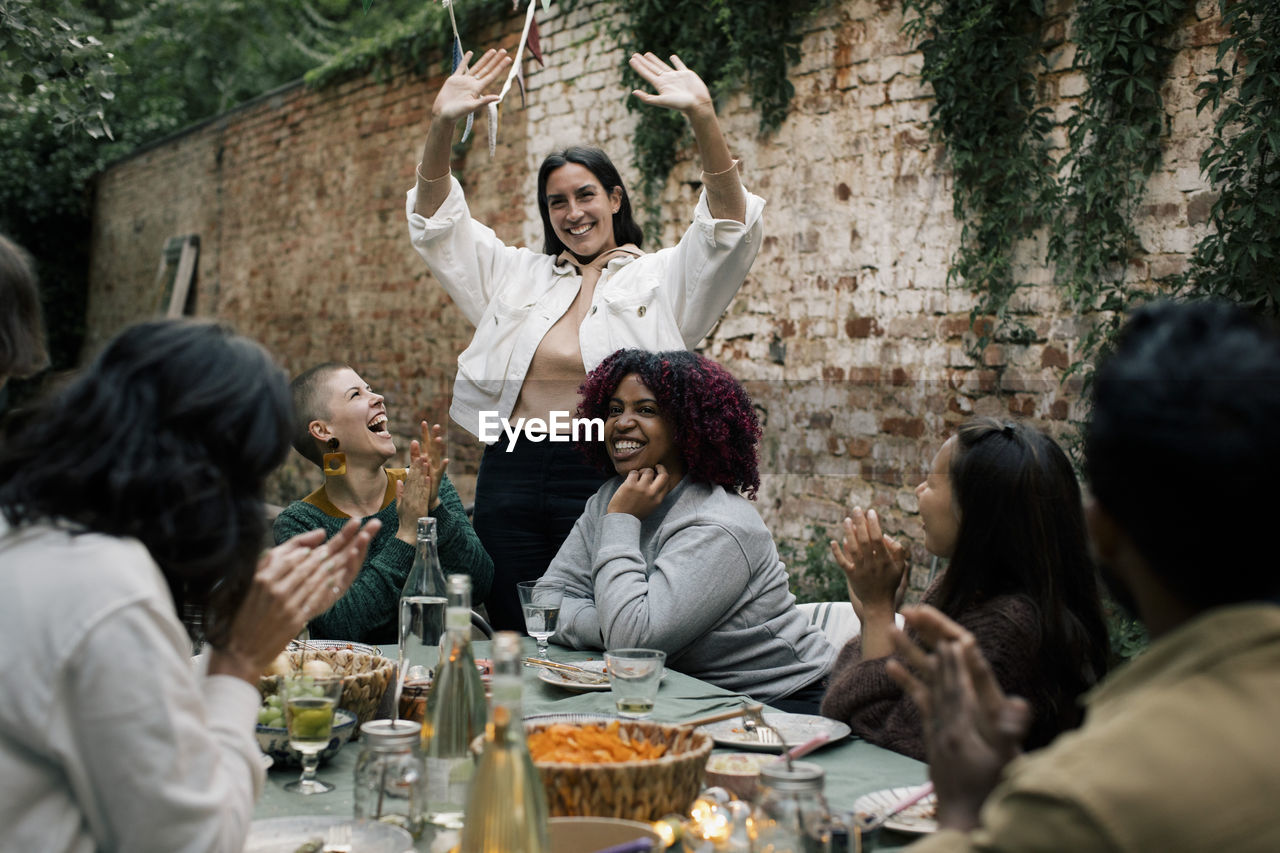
{"x": 589, "y": 834}
{"x": 736, "y": 772}
{"x": 274, "y": 741}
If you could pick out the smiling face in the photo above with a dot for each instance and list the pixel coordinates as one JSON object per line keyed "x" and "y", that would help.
{"x": 636, "y": 432}
{"x": 938, "y": 512}
{"x": 357, "y": 418}
{"x": 581, "y": 211}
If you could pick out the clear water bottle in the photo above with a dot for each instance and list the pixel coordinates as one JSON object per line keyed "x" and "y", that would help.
{"x": 422, "y": 604}
{"x": 790, "y": 815}
{"x": 390, "y": 775}
{"x": 507, "y": 809}
{"x": 455, "y": 714}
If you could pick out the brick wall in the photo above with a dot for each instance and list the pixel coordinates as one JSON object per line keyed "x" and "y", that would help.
{"x": 846, "y": 332}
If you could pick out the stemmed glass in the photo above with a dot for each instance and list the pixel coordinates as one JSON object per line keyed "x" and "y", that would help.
{"x": 309, "y": 705}
{"x": 540, "y": 601}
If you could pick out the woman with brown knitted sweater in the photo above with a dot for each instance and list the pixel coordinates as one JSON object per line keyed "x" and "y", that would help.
{"x": 1002, "y": 502}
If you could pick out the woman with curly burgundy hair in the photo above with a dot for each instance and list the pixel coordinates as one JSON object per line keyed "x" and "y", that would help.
{"x": 668, "y": 554}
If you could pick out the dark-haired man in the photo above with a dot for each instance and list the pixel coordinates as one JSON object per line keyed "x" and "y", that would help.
{"x": 1180, "y": 749}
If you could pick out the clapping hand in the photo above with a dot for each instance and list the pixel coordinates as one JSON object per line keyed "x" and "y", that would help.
{"x": 463, "y": 90}
{"x": 293, "y": 583}
{"x": 874, "y": 564}
{"x": 677, "y": 87}
{"x": 972, "y": 729}
{"x": 419, "y": 492}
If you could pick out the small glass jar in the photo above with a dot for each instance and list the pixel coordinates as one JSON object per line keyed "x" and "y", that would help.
{"x": 390, "y": 775}
{"x": 790, "y": 815}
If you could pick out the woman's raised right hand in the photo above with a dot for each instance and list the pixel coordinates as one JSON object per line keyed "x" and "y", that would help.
{"x": 463, "y": 90}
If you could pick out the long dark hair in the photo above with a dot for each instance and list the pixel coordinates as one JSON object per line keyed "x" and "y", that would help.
{"x": 1022, "y": 532}
{"x": 22, "y": 344}
{"x": 712, "y": 419}
{"x": 166, "y": 437}
{"x": 625, "y": 229}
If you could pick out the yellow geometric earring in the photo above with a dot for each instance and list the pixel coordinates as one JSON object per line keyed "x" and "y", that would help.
{"x": 335, "y": 461}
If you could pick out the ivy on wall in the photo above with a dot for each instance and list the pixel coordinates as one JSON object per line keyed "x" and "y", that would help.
{"x": 411, "y": 44}
{"x": 1237, "y": 260}
{"x": 981, "y": 56}
{"x": 1113, "y": 145}
{"x": 980, "y": 53}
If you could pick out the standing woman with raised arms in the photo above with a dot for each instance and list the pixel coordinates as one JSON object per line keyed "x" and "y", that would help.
{"x": 544, "y": 319}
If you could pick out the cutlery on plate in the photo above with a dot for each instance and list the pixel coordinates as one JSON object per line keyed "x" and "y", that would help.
{"x": 906, "y": 802}
{"x": 753, "y": 723}
{"x": 585, "y": 676}
{"x": 338, "y": 839}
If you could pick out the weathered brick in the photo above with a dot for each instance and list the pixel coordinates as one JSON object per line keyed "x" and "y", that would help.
{"x": 298, "y": 200}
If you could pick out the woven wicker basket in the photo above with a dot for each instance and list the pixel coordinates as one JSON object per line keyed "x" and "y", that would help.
{"x": 635, "y": 790}
{"x": 366, "y": 678}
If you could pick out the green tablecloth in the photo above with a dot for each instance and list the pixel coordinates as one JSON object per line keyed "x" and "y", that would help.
{"x": 853, "y": 767}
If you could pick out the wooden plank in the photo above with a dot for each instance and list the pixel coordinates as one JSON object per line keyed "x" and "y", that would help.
{"x": 186, "y": 273}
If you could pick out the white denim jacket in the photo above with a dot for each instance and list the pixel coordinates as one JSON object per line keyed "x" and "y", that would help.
{"x": 665, "y": 300}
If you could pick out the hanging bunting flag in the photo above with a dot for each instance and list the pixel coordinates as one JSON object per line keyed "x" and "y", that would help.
{"x": 511, "y": 76}
{"x": 535, "y": 43}
{"x": 457, "y": 60}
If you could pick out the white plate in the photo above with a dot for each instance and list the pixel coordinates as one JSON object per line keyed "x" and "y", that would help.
{"x": 565, "y": 679}
{"x": 794, "y": 728}
{"x": 287, "y": 834}
{"x": 917, "y": 819}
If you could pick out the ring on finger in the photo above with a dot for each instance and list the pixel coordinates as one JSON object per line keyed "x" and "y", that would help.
{"x": 336, "y": 590}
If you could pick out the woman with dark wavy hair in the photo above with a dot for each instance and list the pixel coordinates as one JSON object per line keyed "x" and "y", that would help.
{"x": 131, "y": 496}
{"x": 1003, "y": 503}
{"x": 544, "y": 319}
{"x": 22, "y": 347}
{"x": 668, "y": 555}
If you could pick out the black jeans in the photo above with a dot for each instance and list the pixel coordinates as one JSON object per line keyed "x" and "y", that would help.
{"x": 527, "y": 501}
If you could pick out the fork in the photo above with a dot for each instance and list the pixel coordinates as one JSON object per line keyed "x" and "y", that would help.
{"x": 338, "y": 838}
{"x": 754, "y": 723}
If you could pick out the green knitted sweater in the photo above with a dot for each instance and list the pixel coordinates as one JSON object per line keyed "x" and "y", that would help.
{"x": 369, "y": 612}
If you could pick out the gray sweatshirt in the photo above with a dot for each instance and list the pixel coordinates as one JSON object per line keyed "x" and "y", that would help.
{"x": 699, "y": 579}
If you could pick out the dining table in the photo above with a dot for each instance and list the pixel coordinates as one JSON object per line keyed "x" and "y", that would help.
{"x": 852, "y": 766}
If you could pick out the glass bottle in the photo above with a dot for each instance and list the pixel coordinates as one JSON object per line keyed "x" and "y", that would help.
{"x": 390, "y": 775}
{"x": 455, "y": 714}
{"x": 507, "y": 809}
{"x": 422, "y": 605}
{"x": 790, "y": 815}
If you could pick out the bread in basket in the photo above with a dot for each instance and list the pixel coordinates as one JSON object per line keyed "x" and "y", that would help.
{"x": 365, "y": 677}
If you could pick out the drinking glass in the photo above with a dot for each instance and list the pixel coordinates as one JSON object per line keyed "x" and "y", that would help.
{"x": 540, "y": 601}
{"x": 309, "y": 704}
{"x": 634, "y": 675}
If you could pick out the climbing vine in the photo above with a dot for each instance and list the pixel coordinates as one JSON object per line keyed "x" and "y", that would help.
{"x": 1237, "y": 259}
{"x": 412, "y": 44}
{"x": 981, "y": 57}
{"x": 1113, "y": 145}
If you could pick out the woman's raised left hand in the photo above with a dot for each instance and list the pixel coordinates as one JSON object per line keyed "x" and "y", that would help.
{"x": 294, "y": 582}
{"x": 677, "y": 87}
{"x": 874, "y": 564}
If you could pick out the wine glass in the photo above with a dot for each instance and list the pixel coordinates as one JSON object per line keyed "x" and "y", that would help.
{"x": 309, "y": 705}
{"x": 540, "y": 601}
